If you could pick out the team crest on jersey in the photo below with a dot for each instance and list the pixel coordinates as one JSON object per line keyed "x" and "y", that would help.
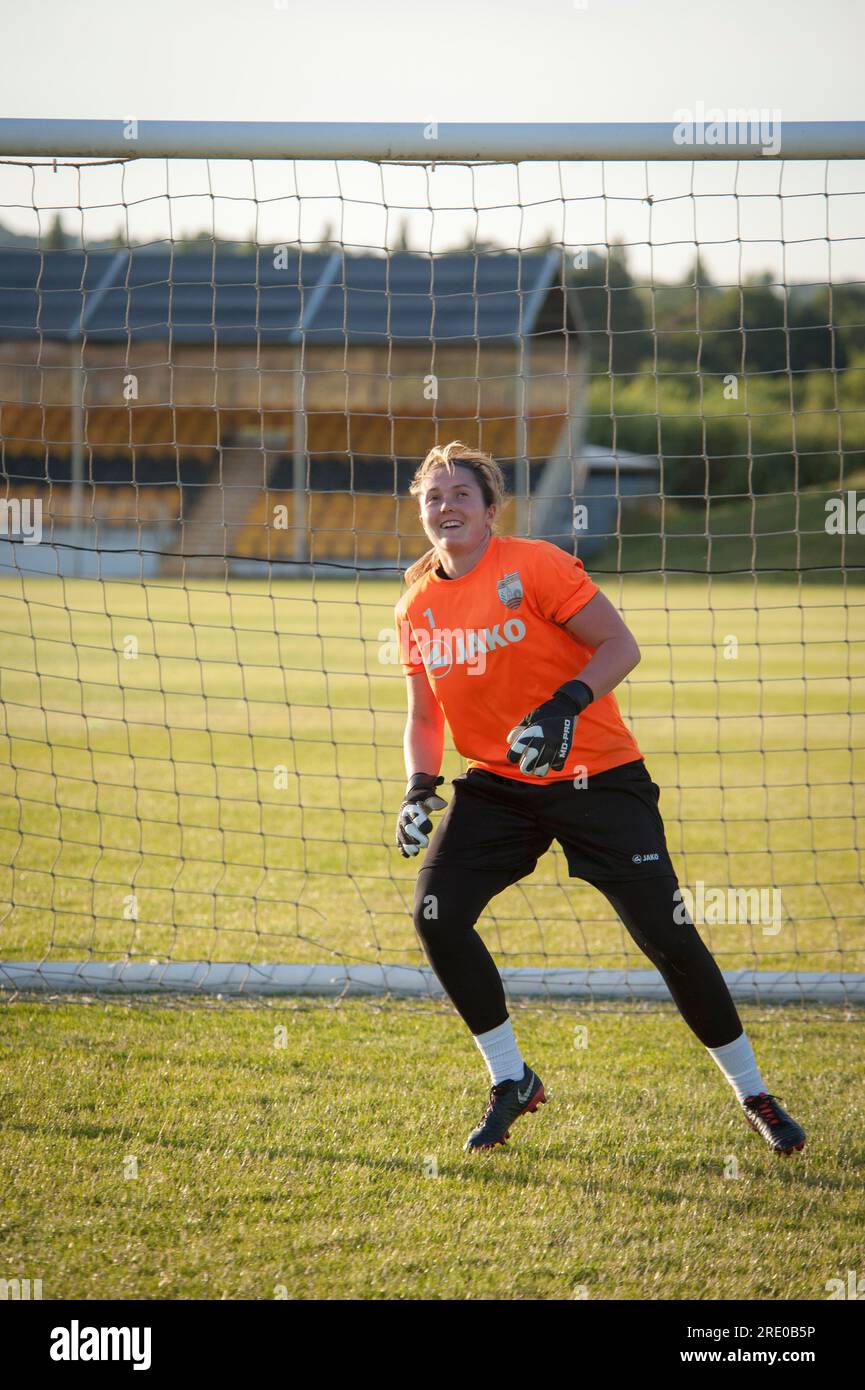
{"x": 510, "y": 590}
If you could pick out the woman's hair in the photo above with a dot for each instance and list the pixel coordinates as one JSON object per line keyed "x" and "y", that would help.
{"x": 451, "y": 456}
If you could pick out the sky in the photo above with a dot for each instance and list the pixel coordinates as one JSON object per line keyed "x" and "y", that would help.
{"x": 452, "y": 60}
{"x": 546, "y": 60}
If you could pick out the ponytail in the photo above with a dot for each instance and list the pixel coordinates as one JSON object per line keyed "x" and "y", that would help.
{"x": 423, "y": 566}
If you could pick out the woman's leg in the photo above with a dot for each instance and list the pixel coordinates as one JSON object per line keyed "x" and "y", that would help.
{"x": 662, "y": 928}
{"x": 487, "y": 839}
{"x": 660, "y": 924}
{"x": 449, "y": 899}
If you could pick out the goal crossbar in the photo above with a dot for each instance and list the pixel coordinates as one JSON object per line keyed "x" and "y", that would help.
{"x": 428, "y": 141}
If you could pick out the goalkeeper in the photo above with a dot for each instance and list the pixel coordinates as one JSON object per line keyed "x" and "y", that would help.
{"x": 512, "y": 644}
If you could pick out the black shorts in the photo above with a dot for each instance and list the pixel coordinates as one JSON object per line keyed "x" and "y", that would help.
{"x": 610, "y": 829}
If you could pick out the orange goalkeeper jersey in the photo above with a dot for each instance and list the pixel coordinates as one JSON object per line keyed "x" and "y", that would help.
{"x": 492, "y": 645}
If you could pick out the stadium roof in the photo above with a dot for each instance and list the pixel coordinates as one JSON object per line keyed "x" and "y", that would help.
{"x": 317, "y": 297}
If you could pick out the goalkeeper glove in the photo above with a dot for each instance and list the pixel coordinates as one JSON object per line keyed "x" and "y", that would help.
{"x": 543, "y": 738}
{"x": 413, "y": 824}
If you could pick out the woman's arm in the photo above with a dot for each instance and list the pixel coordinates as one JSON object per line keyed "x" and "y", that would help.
{"x": 424, "y": 738}
{"x": 542, "y": 740}
{"x": 423, "y": 744}
{"x": 600, "y": 625}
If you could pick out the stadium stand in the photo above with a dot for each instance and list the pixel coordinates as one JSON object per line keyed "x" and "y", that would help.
{"x": 188, "y": 367}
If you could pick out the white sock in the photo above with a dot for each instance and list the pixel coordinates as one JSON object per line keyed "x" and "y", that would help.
{"x": 738, "y": 1063}
{"x": 501, "y": 1054}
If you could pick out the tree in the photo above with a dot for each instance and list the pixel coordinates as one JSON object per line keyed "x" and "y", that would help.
{"x": 614, "y": 313}
{"x": 811, "y": 333}
{"x": 327, "y": 240}
{"x": 56, "y": 239}
{"x": 400, "y": 241}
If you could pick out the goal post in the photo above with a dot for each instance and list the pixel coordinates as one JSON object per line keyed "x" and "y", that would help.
{"x": 224, "y": 349}
{"x": 722, "y": 135}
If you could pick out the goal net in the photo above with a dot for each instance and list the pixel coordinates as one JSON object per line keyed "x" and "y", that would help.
{"x": 219, "y": 371}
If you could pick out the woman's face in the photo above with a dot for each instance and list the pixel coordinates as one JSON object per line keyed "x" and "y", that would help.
{"x": 454, "y": 514}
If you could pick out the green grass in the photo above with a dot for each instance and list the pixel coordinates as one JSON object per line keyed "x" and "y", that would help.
{"x": 153, "y": 778}
{"x": 304, "y": 1166}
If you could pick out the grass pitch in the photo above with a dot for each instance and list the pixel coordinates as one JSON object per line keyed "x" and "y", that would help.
{"x": 153, "y": 1152}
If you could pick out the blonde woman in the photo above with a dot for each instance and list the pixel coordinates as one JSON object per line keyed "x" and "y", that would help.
{"x": 511, "y": 643}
